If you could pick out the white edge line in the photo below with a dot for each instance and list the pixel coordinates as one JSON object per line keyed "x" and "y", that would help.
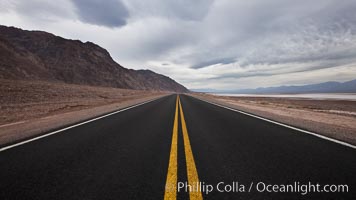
{"x": 281, "y": 124}
{"x": 73, "y": 126}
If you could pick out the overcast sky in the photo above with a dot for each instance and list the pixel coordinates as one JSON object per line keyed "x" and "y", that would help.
{"x": 221, "y": 44}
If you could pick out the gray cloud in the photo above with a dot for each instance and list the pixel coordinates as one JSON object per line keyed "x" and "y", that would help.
{"x": 110, "y": 13}
{"x": 209, "y": 62}
{"x": 283, "y": 70}
{"x": 175, "y": 9}
{"x": 281, "y": 31}
{"x": 37, "y": 11}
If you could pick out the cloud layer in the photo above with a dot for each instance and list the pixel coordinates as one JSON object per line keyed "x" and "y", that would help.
{"x": 209, "y": 44}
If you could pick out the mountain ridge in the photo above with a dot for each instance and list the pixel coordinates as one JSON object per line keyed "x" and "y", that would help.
{"x": 325, "y": 87}
{"x": 38, "y": 55}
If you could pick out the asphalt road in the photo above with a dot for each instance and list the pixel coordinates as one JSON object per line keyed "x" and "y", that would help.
{"x": 133, "y": 154}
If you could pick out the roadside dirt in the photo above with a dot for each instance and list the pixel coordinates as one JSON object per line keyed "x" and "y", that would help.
{"x": 28, "y": 108}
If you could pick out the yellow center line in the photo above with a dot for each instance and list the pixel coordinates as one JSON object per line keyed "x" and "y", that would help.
{"x": 172, "y": 178}
{"x": 171, "y": 182}
{"x": 191, "y": 168}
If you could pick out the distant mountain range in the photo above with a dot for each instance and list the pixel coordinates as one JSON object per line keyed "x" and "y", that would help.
{"x": 38, "y": 55}
{"x": 326, "y": 87}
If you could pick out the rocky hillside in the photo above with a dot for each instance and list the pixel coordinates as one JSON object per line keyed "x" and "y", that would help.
{"x": 37, "y": 55}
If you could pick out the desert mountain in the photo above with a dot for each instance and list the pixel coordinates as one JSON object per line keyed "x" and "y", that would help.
{"x": 38, "y": 55}
{"x": 326, "y": 87}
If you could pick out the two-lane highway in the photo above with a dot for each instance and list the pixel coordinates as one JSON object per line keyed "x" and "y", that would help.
{"x": 136, "y": 153}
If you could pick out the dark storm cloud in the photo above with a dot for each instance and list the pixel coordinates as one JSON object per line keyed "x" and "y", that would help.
{"x": 110, "y": 13}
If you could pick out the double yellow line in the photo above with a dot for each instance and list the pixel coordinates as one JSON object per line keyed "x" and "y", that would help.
{"x": 172, "y": 178}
